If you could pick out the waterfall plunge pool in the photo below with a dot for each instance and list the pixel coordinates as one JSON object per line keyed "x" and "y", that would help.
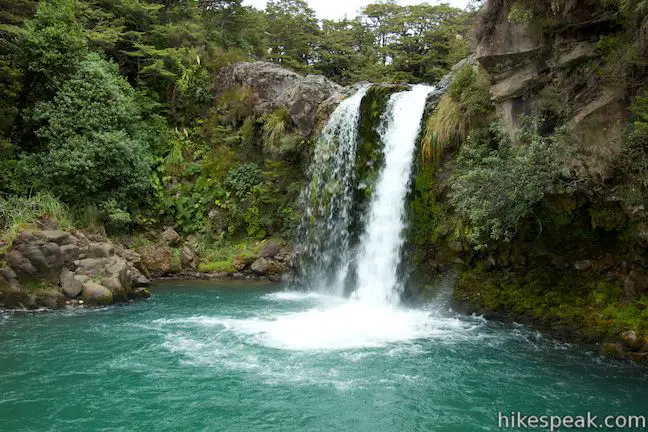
{"x": 225, "y": 357}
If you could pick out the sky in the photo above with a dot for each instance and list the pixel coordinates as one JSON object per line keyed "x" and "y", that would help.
{"x": 336, "y": 9}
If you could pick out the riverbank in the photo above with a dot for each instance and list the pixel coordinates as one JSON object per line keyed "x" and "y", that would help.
{"x": 51, "y": 268}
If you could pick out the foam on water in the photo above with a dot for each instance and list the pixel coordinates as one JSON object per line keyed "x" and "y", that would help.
{"x": 333, "y": 326}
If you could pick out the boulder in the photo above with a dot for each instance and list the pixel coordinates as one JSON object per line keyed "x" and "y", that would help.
{"x": 142, "y": 293}
{"x": 157, "y": 258}
{"x": 21, "y": 265}
{"x": 188, "y": 259}
{"x": 95, "y": 294}
{"x": 273, "y": 87}
{"x": 70, "y": 254}
{"x": 139, "y": 280}
{"x": 613, "y": 350}
{"x": 632, "y": 341}
{"x": 70, "y": 285}
{"x": 91, "y": 266}
{"x": 102, "y": 250}
{"x": 56, "y": 236}
{"x": 171, "y": 237}
{"x": 37, "y": 261}
{"x": 260, "y": 266}
{"x": 269, "y": 250}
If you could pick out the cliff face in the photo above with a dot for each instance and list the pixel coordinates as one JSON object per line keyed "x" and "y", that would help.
{"x": 547, "y": 63}
{"x": 576, "y": 264}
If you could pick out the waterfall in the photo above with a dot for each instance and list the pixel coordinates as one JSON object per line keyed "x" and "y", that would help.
{"x": 323, "y": 235}
{"x": 379, "y": 253}
{"x": 325, "y": 251}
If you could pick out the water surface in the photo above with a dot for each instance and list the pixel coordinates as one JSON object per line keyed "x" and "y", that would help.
{"x": 231, "y": 357}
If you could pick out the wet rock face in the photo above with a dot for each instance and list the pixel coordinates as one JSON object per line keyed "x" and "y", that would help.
{"x": 275, "y": 87}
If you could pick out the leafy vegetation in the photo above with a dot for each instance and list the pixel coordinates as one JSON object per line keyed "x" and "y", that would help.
{"x": 108, "y": 106}
{"x": 498, "y": 182}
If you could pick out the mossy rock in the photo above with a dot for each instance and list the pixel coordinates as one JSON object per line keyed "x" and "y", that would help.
{"x": 95, "y": 294}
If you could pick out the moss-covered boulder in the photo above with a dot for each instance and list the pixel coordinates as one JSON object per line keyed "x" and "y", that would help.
{"x": 95, "y": 294}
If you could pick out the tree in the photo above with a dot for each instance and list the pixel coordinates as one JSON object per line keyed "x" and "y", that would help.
{"x": 94, "y": 152}
{"x": 292, "y": 32}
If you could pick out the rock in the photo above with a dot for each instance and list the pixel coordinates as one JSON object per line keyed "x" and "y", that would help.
{"x": 188, "y": 259}
{"x": 95, "y": 294}
{"x": 239, "y": 264}
{"x": 59, "y": 237}
{"x": 102, "y": 250}
{"x": 273, "y": 87}
{"x": 157, "y": 258}
{"x": 286, "y": 255}
{"x": 260, "y": 266}
{"x": 21, "y": 265}
{"x": 171, "y": 237}
{"x": 53, "y": 256}
{"x": 142, "y": 293}
{"x": 70, "y": 285}
{"x": 37, "y": 261}
{"x": 91, "y": 266}
{"x": 276, "y": 267}
{"x": 632, "y": 341}
{"x": 269, "y": 250}
{"x": 112, "y": 283}
{"x": 140, "y": 280}
{"x": 582, "y": 265}
{"x": 70, "y": 254}
{"x": 238, "y": 275}
{"x": 613, "y": 350}
{"x": 49, "y": 298}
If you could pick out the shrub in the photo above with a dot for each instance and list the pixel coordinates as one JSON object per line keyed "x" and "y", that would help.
{"x": 89, "y": 170}
{"x": 242, "y": 178}
{"x": 498, "y": 183}
{"x": 94, "y": 151}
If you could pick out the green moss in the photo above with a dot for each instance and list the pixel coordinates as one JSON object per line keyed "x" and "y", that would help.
{"x": 38, "y": 285}
{"x": 591, "y": 309}
{"x": 176, "y": 261}
{"x": 369, "y": 154}
{"x": 217, "y": 267}
{"x": 608, "y": 218}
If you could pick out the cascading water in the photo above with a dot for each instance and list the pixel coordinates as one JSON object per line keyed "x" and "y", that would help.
{"x": 326, "y": 252}
{"x": 323, "y": 236}
{"x": 379, "y": 252}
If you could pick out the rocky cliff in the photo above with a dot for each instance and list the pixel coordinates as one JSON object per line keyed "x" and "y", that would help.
{"x": 575, "y": 264}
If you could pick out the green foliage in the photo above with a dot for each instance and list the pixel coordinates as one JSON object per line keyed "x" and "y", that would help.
{"x": 92, "y": 153}
{"x": 18, "y": 213}
{"x": 52, "y": 44}
{"x": 243, "y": 178}
{"x": 465, "y": 106}
{"x": 216, "y": 267}
{"x": 498, "y": 183}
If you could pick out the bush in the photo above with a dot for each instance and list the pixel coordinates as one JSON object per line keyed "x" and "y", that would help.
{"x": 89, "y": 170}
{"x": 242, "y": 178}
{"x": 498, "y": 183}
{"x": 94, "y": 153}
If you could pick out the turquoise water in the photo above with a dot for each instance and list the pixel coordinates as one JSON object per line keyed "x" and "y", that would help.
{"x": 225, "y": 357}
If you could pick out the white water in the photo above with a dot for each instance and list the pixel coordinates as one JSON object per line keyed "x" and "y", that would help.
{"x": 372, "y": 317}
{"x": 324, "y": 240}
{"x": 380, "y": 248}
